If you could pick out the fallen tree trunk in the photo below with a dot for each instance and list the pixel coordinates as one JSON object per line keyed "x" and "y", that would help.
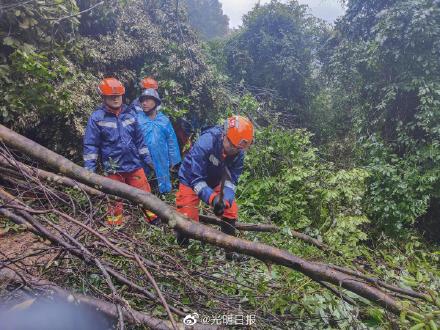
{"x": 315, "y": 271}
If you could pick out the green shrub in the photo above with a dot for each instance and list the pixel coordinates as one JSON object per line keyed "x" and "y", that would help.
{"x": 286, "y": 182}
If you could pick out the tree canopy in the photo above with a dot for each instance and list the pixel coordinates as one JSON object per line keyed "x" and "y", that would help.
{"x": 207, "y": 18}
{"x": 275, "y": 51}
{"x": 385, "y": 54}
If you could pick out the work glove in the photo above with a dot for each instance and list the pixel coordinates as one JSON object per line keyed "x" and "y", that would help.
{"x": 218, "y": 205}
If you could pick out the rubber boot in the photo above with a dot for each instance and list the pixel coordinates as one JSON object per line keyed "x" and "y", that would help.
{"x": 228, "y": 227}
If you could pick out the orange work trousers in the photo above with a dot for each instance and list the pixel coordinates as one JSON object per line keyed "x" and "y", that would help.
{"x": 135, "y": 179}
{"x": 187, "y": 203}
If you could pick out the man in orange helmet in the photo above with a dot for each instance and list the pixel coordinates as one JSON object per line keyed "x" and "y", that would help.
{"x": 216, "y": 156}
{"x": 113, "y": 134}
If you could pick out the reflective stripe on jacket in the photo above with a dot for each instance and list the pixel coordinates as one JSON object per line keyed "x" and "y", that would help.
{"x": 116, "y": 140}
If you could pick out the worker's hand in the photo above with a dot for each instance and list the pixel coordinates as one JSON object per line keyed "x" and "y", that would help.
{"x": 218, "y": 205}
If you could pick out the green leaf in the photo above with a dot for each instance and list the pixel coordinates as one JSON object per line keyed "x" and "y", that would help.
{"x": 9, "y": 41}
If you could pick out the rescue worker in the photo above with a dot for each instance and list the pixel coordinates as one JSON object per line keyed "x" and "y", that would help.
{"x": 183, "y": 129}
{"x": 113, "y": 134}
{"x": 216, "y": 156}
{"x": 159, "y": 137}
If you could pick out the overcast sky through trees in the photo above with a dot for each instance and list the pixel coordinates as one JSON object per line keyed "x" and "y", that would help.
{"x": 325, "y": 9}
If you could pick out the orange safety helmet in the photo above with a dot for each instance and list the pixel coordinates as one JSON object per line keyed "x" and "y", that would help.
{"x": 240, "y": 131}
{"x": 148, "y": 83}
{"x": 111, "y": 86}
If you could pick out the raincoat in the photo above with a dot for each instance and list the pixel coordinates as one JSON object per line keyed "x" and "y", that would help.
{"x": 163, "y": 146}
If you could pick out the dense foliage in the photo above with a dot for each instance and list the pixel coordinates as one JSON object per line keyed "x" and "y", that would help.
{"x": 287, "y": 183}
{"x": 385, "y": 54}
{"x": 368, "y": 90}
{"x": 273, "y": 54}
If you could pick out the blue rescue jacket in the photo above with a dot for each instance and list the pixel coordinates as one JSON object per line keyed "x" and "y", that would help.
{"x": 163, "y": 146}
{"x": 116, "y": 140}
{"x": 203, "y": 166}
